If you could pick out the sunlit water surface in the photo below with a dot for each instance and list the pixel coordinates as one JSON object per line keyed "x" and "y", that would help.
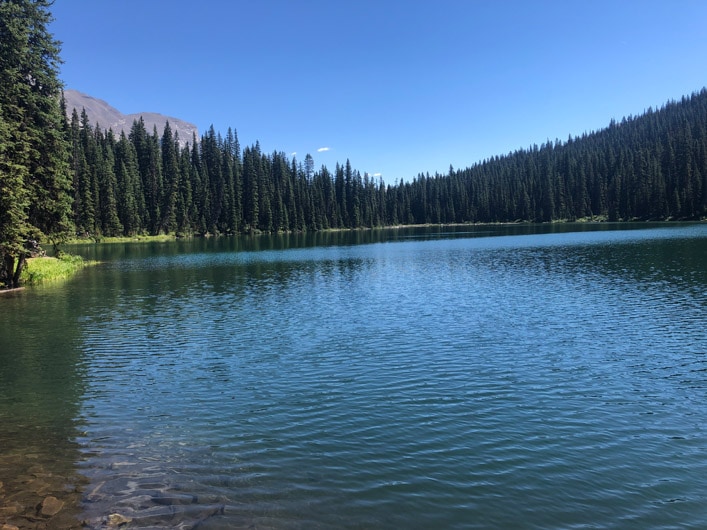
{"x": 431, "y": 379}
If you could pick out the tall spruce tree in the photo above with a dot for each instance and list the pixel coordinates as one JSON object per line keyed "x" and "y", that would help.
{"x": 110, "y": 221}
{"x": 34, "y": 171}
{"x": 171, "y": 178}
{"x": 131, "y": 199}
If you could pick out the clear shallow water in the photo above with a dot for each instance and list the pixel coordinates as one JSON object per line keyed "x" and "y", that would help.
{"x": 428, "y": 379}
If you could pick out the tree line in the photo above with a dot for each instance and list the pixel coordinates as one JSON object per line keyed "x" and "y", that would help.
{"x": 62, "y": 176}
{"x": 649, "y": 167}
{"x": 145, "y": 183}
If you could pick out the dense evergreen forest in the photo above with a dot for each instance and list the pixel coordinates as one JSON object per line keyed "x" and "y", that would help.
{"x": 649, "y": 167}
{"x": 62, "y": 176}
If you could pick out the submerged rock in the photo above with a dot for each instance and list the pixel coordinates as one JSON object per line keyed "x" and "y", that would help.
{"x": 10, "y": 509}
{"x": 51, "y": 506}
{"x": 174, "y": 499}
{"x": 115, "y": 519}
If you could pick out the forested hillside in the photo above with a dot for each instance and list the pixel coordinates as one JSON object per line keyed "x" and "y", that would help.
{"x": 649, "y": 167}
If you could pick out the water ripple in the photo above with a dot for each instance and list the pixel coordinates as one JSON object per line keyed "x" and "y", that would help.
{"x": 554, "y": 382}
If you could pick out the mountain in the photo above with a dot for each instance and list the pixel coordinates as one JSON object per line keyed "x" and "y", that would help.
{"x": 107, "y": 117}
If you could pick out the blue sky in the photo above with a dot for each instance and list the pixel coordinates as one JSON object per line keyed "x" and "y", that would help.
{"x": 398, "y": 87}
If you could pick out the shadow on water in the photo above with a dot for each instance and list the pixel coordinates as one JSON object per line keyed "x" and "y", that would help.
{"x": 40, "y": 392}
{"x": 274, "y": 242}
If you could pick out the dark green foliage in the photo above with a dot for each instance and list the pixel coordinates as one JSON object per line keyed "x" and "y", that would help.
{"x": 649, "y": 167}
{"x": 110, "y": 223}
{"x": 35, "y": 185}
{"x": 171, "y": 185}
{"x": 131, "y": 198}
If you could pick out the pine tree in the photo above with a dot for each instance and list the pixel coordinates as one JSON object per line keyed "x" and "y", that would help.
{"x": 184, "y": 195}
{"x": 171, "y": 181}
{"x": 14, "y": 201}
{"x": 150, "y": 167}
{"x": 110, "y": 223}
{"x": 212, "y": 177}
{"x": 34, "y": 170}
{"x": 229, "y": 163}
{"x": 131, "y": 199}
{"x": 251, "y": 181}
{"x": 86, "y": 184}
{"x": 340, "y": 191}
{"x": 199, "y": 188}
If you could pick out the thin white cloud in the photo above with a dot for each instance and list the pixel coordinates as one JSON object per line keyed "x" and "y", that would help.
{"x": 322, "y": 149}
{"x": 293, "y": 153}
{"x": 377, "y": 174}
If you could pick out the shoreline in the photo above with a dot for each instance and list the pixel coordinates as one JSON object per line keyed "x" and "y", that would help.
{"x": 45, "y": 269}
{"x": 11, "y": 291}
{"x": 165, "y": 238}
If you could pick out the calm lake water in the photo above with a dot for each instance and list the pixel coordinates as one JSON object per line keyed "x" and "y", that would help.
{"x": 535, "y": 377}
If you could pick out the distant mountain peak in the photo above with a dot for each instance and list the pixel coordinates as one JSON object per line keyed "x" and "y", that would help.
{"x": 101, "y": 113}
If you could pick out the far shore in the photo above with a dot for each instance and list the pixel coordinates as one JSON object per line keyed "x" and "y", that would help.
{"x": 165, "y": 238}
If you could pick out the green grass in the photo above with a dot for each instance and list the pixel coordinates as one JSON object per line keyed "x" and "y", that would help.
{"x": 162, "y": 238}
{"x": 43, "y": 270}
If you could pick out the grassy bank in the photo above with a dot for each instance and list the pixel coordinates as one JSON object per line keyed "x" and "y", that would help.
{"x": 43, "y": 270}
{"x": 124, "y": 239}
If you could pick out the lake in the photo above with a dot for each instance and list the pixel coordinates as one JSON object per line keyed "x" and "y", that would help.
{"x": 528, "y": 376}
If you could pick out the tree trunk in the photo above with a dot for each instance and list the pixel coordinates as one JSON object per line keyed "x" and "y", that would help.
{"x": 20, "y": 265}
{"x": 9, "y": 270}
